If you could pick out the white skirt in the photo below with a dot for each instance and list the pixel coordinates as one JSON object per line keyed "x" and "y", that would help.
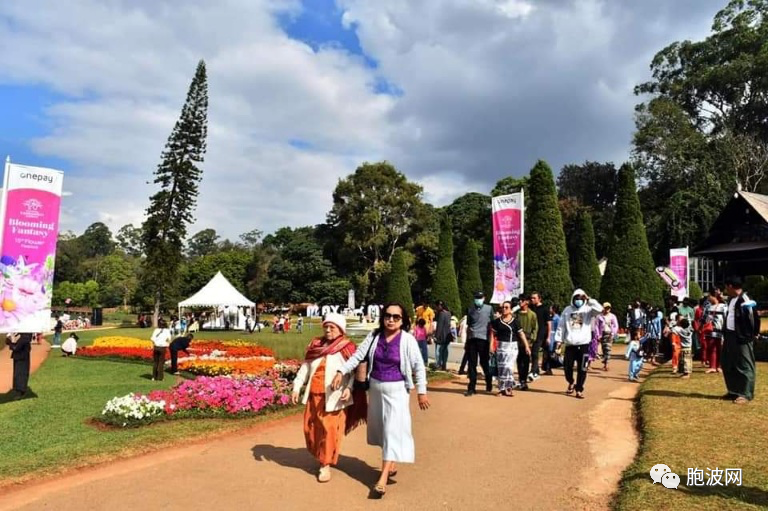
{"x": 389, "y": 421}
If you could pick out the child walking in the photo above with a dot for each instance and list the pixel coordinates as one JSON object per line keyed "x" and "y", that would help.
{"x": 684, "y": 332}
{"x": 420, "y": 333}
{"x": 635, "y": 355}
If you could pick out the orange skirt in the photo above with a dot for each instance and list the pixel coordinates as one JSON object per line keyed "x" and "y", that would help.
{"x": 323, "y": 430}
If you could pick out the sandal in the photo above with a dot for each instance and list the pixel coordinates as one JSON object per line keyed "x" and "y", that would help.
{"x": 570, "y": 390}
{"x": 392, "y": 473}
{"x": 379, "y": 490}
{"x": 580, "y": 395}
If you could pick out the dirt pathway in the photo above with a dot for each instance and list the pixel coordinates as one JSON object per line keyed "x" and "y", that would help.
{"x": 537, "y": 450}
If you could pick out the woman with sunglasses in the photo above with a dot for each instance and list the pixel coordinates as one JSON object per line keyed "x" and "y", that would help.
{"x": 395, "y": 366}
{"x": 507, "y": 333}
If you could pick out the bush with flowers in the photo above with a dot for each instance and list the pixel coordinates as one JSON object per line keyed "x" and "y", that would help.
{"x": 132, "y": 410}
{"x": 219, "y": 396}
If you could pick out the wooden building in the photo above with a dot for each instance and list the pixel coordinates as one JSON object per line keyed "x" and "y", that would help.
{"x": 738, "y": 240}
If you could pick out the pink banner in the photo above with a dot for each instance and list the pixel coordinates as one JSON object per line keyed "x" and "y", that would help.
{"x": 30, "y": 227}
{"x": 678, "y": 263}
{"x": 507, "y": 212}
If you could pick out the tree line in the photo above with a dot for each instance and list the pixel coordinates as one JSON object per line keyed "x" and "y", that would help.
{"x": 700, "y": 130}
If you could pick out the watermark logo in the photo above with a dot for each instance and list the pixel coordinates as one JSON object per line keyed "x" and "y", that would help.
{"x": 671, "y": 480}
{"x": 658, "y": 471}
{"x": 661, "y": 473}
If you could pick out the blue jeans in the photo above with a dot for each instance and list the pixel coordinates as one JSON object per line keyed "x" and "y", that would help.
{"x": 441, "y": 355}
{"x": 57, "y": 338}
{"x": 423, "y": 350}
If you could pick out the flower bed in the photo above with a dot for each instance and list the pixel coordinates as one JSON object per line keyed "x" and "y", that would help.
{"x": 206, "y": 358}
{"x": 219, "y": 396}
{"x": 133, "y": 348}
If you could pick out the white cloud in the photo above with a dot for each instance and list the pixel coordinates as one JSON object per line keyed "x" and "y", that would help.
{"x": 487, "y": 88}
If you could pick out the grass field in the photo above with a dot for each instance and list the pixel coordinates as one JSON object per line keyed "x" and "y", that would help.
{"x": 685, "y": 425}
{"x": 52, "y": 431}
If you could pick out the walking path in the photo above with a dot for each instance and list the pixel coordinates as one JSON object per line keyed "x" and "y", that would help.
{"x": 538, "y": 450}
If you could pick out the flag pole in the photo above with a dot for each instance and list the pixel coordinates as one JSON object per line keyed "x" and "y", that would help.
{"x": 4, "y": 199}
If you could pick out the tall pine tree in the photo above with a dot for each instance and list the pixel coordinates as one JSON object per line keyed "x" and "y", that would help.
{"x": 630, "y": 272}
{"x": 171, "y": 209}
{"x": 398, "y": 287}
{"x": 584, "y": 270}
{"x": 445, "y": 286}
{"x": 469, "y": 275}
{"x": 547, "y": 269}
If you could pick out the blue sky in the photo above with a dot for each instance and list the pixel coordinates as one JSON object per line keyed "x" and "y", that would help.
{"x": 456, "y": 94}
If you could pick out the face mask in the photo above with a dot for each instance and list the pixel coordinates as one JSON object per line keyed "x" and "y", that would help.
{"x": 478, "y": 302}
{"x": 578, "y": 303}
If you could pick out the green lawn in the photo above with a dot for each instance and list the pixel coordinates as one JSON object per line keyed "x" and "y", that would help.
{"x": 685, "y": 425}
{"x": 52, "y": 431}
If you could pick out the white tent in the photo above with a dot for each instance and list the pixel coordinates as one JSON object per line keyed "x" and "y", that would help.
{"x": 219, "y": 293}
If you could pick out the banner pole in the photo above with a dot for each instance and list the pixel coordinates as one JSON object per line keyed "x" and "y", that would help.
{"x": 522, "y": 240}
{"x": 4, "y": 199}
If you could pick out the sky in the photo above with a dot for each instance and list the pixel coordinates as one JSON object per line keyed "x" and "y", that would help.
{"x": 457, "y": 94}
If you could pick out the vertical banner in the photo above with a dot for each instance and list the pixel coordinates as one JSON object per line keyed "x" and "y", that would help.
{"x": 508, "y": 225}
{"x": 678, "y": 263}
{"x": 30, "y": 227}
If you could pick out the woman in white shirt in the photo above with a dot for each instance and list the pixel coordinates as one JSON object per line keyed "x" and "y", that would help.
{"x": 161, "y": 338}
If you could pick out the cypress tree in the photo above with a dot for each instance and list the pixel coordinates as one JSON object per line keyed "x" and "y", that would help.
{"x": 445, "y": 286}
{"x": 585, "y": 272}
{"x": 171, "y": 209}
{"x": 398, "y": 287}
{"x": 469, "y": 275}
{"x": 694, "y": 290}
{"x": 630, "y": 272}
{"x": 546, "y": 257}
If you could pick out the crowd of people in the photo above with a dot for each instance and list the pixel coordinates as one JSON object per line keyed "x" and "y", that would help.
{"x": 345, "y": 386}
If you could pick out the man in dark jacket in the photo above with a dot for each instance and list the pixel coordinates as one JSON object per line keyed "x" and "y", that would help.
{"x": 21, "y": 347}
{"x": 443, "y": 336}
{"x": 479, "y": 318}
{"x": 177, "y": 345}
{"x": 742, "y": 326}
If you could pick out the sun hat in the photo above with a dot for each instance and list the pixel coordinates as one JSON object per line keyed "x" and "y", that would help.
{"x": 607, "y": 305}
{"x": 337, "y": 319}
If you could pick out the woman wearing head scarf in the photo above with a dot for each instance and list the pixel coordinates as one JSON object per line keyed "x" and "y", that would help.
{"x": 330, "y": 413}
{"x": 394, "y": 367}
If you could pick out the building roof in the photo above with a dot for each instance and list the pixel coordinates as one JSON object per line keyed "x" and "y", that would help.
{"x": 740, "y": 230}
{"x": 758, "y": 202}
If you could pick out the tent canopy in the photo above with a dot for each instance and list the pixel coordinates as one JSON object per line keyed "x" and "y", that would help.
{"x": 218, "y": 291}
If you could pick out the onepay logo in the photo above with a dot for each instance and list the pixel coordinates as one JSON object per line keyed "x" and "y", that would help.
{"x": 36, "y": 177}
{"x": 507, "y": 201}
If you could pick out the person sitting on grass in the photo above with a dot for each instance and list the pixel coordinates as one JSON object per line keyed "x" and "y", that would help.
{"x": 69, "y": 347}
{"x": 177, "y": 345}
{"x": 684, "y": 332}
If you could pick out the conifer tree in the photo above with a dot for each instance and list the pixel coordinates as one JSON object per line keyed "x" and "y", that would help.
{"x": 585, "y": 272}
{"x": 398, "y": 287}
{"x": 171, "y": 209}
{"x": 445, "y": 286}
{"x": 547, "y": 269}
{"x": 629, "y": 272}
{"x": 469, "y": 275}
